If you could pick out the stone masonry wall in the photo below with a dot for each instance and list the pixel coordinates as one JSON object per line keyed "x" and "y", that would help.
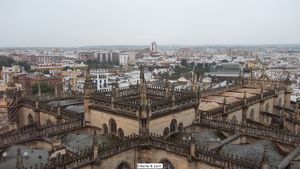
{"x": 185, "y": 117}
{"x": 129, "y": 126}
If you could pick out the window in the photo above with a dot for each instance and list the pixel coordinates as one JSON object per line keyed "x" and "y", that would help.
{"x": 251, "y": 116}
{"x": 167, "y": 164}
{"x": 120, "y": 133}
{"x": 166, "y": 131}
{"x": 279, "y": 102}
{"x": 173, "y": 126}
{"x": 124, "y": 165}
{"x": 267, "y": 107}
{"x": 30, "y": 119}
{"x": 180, "y": 127}
{"x": 105, "y": 128}
{"x": 48, "y": 122}
{"x": 113, "y": 126}
{"x": 233, "y": 118}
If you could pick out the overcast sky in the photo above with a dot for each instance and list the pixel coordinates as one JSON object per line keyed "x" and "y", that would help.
{"x": 66, "y": 23}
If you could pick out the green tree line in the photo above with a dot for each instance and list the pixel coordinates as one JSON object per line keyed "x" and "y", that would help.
{"x": 6, "y": 61}
{"x": 45, "y": 88}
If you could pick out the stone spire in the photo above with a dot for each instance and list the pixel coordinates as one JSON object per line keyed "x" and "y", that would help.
{"x": 288, "y": 79}
{"x": 251, "y": 73}
{"x": 11, "y": 83}
{"x": 263, "y": 73}
{"x": 95, "y": 146}
{"x": 87, "y": 95}
{"x": 115, "y": 88}
{"x": 261, "y": 92}
{"x": 224, "y": 104}
{"x": 142, "y": 74}
{"x": 297, "y": 116}
{"x": 88, "y": 85}
{"x": 115, "y": 94}
{"x": 144, "y": 113}
{"x": 194, "y": 81}
{"x": 173, "y": 94}
{"x": 167, "y": 88}
{"x": 245, "y": 98}
{"x": 197, "y": 104}
{"x": 143, "y": 88}
{"x": 19, "y": 162}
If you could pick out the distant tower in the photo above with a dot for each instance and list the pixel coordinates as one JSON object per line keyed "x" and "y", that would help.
{"x": 153, "y": 47}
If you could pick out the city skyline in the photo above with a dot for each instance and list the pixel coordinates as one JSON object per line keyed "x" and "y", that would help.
{"x": 104, "y": 23}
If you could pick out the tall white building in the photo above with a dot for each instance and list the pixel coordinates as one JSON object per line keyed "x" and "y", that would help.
{"x": 153, "y": 47}
{"x": 104, "y": 57}
{"x": 123, "y": 59}
{"x": 100, "y": 78}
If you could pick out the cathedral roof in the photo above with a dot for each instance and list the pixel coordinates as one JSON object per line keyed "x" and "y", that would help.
{"x": 208, "y": 135}
{"x": 78, "y": 142}
{"x": 29, "y": 156}
{"x": 255, "y": 152}
{"x": 76, "y": 108}
{"x": 203, "y": 138}
{"x": 56, "y": 103}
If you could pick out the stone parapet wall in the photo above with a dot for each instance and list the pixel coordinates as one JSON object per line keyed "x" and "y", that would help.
{"x": 36, "y": 132}
{"x": 258, "y": 131}
{"x": 66, "y": 114}
{"x": 200, "y": 154}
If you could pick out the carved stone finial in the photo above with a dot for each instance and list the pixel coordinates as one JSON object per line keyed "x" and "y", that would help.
{"x": 88, "y": 84}
{"x": 19, "y": 163}
{"x": 142, "y": 74}
{"x": 288, "y": 77}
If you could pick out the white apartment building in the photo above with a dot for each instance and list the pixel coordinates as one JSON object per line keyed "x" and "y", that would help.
{"x": 100, "y": 78}
{"x": 123, "y": 59}
{"x": 9, "y": 72}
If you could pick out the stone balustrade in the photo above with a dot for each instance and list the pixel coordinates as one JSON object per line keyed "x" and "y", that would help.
{"x": 66, "y": 114}
{"x": 262, "y": 132}
{"x": 223, "y": 160}
{"x": 44, "y": 97}
{"x": 66, "y": 161}
{"x": 202, "y": 154}
{"x": 37, "y": 132}
{"x": 138, "y": 141}
{"x": 218, "y": 111}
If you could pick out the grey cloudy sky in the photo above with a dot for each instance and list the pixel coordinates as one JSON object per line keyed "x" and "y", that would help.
{"x": 138, "y": 22}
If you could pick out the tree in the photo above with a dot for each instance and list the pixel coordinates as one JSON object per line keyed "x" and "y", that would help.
{"x": 101, "y": 65}
{"x": 6, "y": 61}
{"x": 25, "y": 65}
{"x": 46, "y": 72}
{"x": 184, "y": 62}
{"x": 66, "y": 68}
{"x": 224, "y": 61}
{"x": 45, "y": 88}
{"x": 192, "y": 64}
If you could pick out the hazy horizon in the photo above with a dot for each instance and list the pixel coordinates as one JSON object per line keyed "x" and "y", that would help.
{"x": 77, "y": 23}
